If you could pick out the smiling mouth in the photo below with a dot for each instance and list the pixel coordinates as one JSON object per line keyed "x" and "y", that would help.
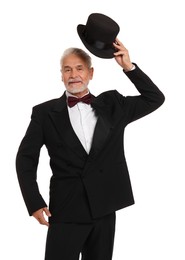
{"x": 74, "y": 82}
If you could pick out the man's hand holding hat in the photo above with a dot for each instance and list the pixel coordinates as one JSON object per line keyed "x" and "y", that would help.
{"x": 122, "y": 56}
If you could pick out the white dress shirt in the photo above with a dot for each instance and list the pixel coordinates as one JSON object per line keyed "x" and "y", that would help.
{"x": 83, "y": 120}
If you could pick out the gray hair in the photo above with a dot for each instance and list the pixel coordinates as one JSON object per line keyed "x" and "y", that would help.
{"x": 80, "y": 53}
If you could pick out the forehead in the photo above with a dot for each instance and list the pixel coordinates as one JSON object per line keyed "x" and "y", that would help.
{"x": 72, "y": 60}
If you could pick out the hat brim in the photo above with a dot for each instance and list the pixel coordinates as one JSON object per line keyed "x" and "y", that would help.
{"x": 101, "y": 53}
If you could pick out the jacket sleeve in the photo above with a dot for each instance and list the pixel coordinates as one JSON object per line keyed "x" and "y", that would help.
{"x": 149, "y": 100}
{"x": 26, "y": 164}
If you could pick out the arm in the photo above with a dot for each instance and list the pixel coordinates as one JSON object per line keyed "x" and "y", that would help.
{"x": 26, "y": 165}
{"x": 151, "y": 97}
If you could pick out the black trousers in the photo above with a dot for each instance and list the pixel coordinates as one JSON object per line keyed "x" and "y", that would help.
{"x": 65, "y": 241}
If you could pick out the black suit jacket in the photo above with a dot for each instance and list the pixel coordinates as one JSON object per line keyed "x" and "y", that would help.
{"x": 84, "y": 186}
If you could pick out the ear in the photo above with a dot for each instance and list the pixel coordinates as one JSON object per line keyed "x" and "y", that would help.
{"x": 62, "y": 78}
{"x": 91, "y": 72}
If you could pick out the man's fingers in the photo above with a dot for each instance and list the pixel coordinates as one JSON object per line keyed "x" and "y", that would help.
{"x": 121, "y": 52}
{"x": 119, "y": 44}
{"x": 47, "y": 212}
{"x": 42, "y": 220}
{"x": 39, "y": 215}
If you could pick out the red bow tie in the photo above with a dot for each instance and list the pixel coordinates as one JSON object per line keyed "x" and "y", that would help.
{"x": 72, "y": 101}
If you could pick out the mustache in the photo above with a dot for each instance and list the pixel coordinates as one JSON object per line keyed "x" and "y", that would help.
{"x": 77, "y": 79}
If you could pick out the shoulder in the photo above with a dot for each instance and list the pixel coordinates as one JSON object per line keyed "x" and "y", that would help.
{"x": 42, "y": 110}
{"x": 108, "y": 94}
{"x": 111, "y": 96}
{"x": 46, "y": 105}
{"x": 50, "y": 104}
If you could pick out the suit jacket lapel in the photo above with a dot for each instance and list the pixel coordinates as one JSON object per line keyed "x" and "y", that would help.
{"x": 64, "y": 128}
{"x": 103, "y": 128}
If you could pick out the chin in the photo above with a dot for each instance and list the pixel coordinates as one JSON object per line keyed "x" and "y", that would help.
{"x": 76, "y": 90}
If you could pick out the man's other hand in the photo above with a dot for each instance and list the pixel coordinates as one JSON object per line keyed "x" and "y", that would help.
{"x": 40, "y": 216}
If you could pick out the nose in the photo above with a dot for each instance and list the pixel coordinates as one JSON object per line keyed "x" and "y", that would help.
{"x": 73, "y": 73}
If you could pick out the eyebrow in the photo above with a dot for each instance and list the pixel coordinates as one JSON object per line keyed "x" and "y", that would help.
{"x": 69, "y": 67}
{"x": 79, "y": 66}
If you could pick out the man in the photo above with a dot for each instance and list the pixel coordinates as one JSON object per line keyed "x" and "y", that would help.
{"x": 90, "y": 180}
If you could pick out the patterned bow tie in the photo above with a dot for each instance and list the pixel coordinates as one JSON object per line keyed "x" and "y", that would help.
{"x": 72, "y": 101}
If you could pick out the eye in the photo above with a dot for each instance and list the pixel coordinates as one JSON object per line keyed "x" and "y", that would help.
{"x": 79, "y": 68}
{"x": 67, "y": 70}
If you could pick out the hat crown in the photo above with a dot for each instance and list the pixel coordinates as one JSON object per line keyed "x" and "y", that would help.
{"x": 100, "y": 27}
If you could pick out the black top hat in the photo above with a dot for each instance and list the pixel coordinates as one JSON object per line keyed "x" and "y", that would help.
{"x": 98, "y": 35}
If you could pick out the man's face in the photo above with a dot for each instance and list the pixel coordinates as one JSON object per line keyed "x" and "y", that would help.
{"x": 76, "y": 74}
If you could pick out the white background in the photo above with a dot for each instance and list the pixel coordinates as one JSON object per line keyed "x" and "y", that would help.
{"x": 33, "y": 36}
